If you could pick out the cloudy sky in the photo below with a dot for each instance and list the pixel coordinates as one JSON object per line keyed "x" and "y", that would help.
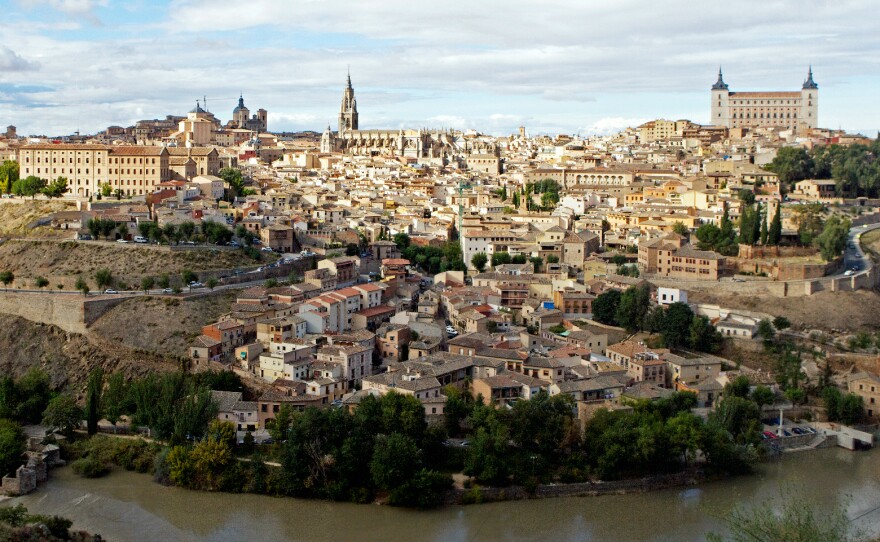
{"x": 570, "y": 66}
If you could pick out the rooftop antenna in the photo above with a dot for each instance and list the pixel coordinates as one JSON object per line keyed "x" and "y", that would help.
{"x": 205, "y": 102}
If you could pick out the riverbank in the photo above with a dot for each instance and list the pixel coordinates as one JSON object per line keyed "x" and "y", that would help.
{"x": 130, "y": 507}
{"x": 477, "y": 495}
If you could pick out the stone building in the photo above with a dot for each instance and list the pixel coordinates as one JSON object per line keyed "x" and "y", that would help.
{"x": 793, "y": 110}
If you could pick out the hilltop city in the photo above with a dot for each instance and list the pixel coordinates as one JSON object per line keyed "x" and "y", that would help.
{"x": 516, "y": 289}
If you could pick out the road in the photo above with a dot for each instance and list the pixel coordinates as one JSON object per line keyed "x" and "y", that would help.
{"x": 854, "y": 257}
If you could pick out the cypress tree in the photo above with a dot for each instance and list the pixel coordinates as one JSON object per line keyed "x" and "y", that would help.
{"x": 93, "y": 399}
{"x": 774, "y": 233}
{"x": 764, "y": 227}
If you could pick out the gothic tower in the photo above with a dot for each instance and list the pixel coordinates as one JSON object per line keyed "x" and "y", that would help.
{"x": 810, "y": 102}
{"x": 720, "y": 106}
{"x": 348, "y": 113}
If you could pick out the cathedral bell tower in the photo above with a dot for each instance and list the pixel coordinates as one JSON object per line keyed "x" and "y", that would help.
{"x": 348, "y": 113}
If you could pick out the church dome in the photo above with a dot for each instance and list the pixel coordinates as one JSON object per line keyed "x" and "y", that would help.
{"x": 240, "y": 106}
{"x": 197, "y": 108}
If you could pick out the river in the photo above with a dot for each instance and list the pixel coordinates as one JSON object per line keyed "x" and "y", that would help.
{"x": 130, "y": 507}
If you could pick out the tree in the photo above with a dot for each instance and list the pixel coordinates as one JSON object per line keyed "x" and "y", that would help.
{"x": 234, "y": 180}
{"x": 605, "y": 307}
{"x": 765, "y": 233}
{"x": 740, "y": 417}
{"x": 832, "y": 241}
{"x": 781, "y": 322}
{"x": 211, "y": 283}
{"x": 810, "y": 222}
{"x": 747, "y": 197}
{"x": 766, "y": 331}
{"x": 34, "y": 394}
{"x": 186, "y": 230}
{"x": 738, "y": 387}
{"x": 6, "y": 277}
{"x": 791, "y": 164}
{"x": 793, "y": 516}
{"x": 93, "y": 399}
{"x": 63, "y": 414}
{"x": 501, "y": 258}
{"x": 147, "y": 283}
{"x": 8, "y": 175}
{"x": 56, "y": 188}
{"x": 164, "y": 281}
{"x": 679, "y": 228}
{"x": 479, "y": 261}
{"x": 106, "y": 190}
{"x": 116, "y": 398}
{"x": 396, "y": 459}
{"x": 703, "y": 335}
{"x": 12, "y": 446}
{"x": 677, "y": 324}
{"x": 551, "y": 258}
{"x": 41, "y": 282}
{"x": 774, "y": 232}
{"x": 538, "y": 262}
{"x": 103, "y": 278}
{"x": 188, "y": 276}
{"x": 633, "y": 307}
{"x": 763, "y": 396}
{"x": 29, "y": 186}
{"x": 82, "y": 285}
{"x": 402, "y": 240}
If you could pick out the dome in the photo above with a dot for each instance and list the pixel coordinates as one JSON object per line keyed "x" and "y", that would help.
{"x": 240, "y": 106}
{"x": 198, "y": 108}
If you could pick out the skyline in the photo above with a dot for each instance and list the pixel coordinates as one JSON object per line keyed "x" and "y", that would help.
{"x": 71, "y": 65}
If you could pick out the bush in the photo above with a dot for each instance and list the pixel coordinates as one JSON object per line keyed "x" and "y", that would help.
{"x": 90, "y": 467}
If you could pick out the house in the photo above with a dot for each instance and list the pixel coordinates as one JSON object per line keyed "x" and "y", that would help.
{"x": 228, "y": 333}
{"x": 866, "y": 386}
{"x": 205, "y": 349}
{"x": 688, "y": 371}
{"x": 597, "y": 388}
{"x": 499, "y": 390}
{"x": 230, "y": 408}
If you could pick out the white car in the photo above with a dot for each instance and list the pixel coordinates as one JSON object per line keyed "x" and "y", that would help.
{"x": 849, "y": 273}
{"x": 120, "y": 240}
{"x": 110, "y": 291}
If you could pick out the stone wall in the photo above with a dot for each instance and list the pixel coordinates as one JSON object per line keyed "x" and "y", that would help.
{"x": 64, "y": 310}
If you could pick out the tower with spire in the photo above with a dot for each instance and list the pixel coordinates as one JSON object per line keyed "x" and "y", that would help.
{"x": 348, "y": 114}
{"x": 720, "y": 102}
{"x": 810, "y": 101}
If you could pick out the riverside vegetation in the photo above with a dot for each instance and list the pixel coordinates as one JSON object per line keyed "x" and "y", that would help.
{"x": 386, "y": 451}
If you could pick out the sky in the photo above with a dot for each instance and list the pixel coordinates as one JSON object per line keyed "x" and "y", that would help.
{"x": 571, "y": 66}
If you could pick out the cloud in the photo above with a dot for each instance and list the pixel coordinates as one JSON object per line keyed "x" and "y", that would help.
{"x": 11, "y": 61}
{"x": 611, "y": 125}
{"x": 568, "y": 64}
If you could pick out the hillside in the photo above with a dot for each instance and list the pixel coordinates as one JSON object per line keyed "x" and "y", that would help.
{"x": 63, "y": 261}
{"x": 162, "y": 325}
{"x": 15, "y": 217}
{"x": 68, "y": 357}
{"x": 845, "y": 311}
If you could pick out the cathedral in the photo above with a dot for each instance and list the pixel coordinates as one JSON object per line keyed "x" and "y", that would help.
{"x": 794, "y": 110}
{"x": 422, "y": 144}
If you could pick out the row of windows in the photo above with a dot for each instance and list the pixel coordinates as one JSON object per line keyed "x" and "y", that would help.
{"x": 79, "y": 160}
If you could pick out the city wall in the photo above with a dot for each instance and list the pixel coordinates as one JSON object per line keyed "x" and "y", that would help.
{"x": 71, "y": 312}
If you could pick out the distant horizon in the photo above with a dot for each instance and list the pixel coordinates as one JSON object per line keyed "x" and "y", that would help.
{"x": 84, "y": 65}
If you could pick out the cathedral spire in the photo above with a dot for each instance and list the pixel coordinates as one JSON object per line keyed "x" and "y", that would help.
{"x": 809, "y": 84}
{"x": 719, "y": 84}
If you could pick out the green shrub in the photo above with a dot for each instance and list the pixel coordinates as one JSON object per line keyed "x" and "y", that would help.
{"x": 90, "y": 467}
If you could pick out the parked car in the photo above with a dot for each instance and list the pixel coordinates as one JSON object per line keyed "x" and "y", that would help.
{"x": 266, "y": 249}
{"x": 121, "y": 240}
{"x": 849, "y": 273}
{"x": 110, "y": 291}
{"x": 140, "y": 239}
{"x": 195, "y": 284}
{"x": 769, "y": 434}
{"x": 168, "y": 291}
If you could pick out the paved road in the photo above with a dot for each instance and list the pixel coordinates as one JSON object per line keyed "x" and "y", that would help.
{"x": 854, "y": 257}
